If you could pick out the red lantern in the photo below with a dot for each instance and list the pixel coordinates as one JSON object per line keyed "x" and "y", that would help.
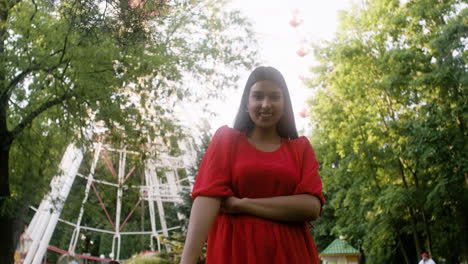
{"x": 295, "y": 21}
{"x": 303, "y": 113}
{"x": 302, "y": 52}
{"x": 296, "y": 18}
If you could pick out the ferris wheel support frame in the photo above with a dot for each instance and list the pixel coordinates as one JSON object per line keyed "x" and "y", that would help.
{"x": 116, "y": 239}
{"x": 43, "y": 224}
{"x": 76, "y": 231}
{"x": 152, "y": 180}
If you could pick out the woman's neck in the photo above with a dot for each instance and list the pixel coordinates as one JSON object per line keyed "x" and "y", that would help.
{"x": 264, "y": 135}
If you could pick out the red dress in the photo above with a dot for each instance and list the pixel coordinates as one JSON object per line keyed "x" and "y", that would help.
{"x": 233, "y": 167}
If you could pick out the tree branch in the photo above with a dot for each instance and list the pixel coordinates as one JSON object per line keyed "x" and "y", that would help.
{"x": 18, "y": 78}
{"x": 30, "y": 117}
{"x": 35, "y": 12}
{"x": 10, "y": 4}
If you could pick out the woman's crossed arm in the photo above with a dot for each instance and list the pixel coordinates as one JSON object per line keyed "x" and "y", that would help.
{"x": 299, "y": 207}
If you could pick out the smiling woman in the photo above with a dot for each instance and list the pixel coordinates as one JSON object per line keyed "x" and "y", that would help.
{"x": 258, "y": 184}
{"x": 266, "y": 80}
{"x": 265, "y": 106}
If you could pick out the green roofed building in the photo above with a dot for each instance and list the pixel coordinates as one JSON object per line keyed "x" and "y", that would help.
{"x": 339, "y": 252}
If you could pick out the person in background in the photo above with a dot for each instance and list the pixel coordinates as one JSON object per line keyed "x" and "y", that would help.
{"x": 258, "y": 184}
{"x": 425, "y": 259}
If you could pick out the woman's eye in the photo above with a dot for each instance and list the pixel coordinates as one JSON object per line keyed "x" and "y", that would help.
{"x": 275, "y": 97}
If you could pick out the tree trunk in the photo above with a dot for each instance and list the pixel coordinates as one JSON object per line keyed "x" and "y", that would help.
{"x": 9, "y": 227}
{"x": 402, "y": 248}
{"x": 5, "y": 136}
{"x": 10, "y": 224}
{"x": 6, "y": 140}
{"x": 413, "y": 219}
{"x": 464, "y": 230}
{"x": 4, "y": 166}
{"x": 362, "y": 257}
{"x": 428, "y": 234}
{"x": 415, "y": 232}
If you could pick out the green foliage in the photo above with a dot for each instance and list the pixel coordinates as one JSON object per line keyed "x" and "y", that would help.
{"x": 144, "y": 259}
{"x": 390, "y": 126}
{"x": 322, "y": 228}
{"x": 176, "y": 242}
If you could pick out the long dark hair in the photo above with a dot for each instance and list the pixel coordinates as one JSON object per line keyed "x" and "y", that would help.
{"x": 286, "y": 126}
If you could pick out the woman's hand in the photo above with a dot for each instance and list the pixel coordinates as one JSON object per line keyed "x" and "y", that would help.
{"x": 231, "y": 205}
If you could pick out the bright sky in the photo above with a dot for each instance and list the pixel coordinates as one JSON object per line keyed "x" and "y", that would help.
{"x": 279, "y": 42}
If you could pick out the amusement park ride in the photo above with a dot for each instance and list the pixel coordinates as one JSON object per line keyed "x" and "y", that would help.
{"x": 155, "y": 192}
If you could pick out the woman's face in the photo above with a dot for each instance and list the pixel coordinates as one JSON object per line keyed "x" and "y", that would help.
{"x": 265, "y": 104}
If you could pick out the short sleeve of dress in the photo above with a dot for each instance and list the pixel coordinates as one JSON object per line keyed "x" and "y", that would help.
{"x": 310, "y": 182}
{"x": 214, "y": 175}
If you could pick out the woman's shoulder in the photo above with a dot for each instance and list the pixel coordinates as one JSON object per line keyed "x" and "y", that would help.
{"x": 225, "y": 130}
{"x": 300, "y": 141}
{"x": 225, "y": 133}
{"x": 300, "y": 144}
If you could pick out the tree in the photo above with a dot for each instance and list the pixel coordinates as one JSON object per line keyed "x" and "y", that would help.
{"x": 64, "y": 64}
{"x": 390, "y": 121}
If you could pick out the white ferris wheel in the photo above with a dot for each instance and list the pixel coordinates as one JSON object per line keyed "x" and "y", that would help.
{"x": 154, "y": 191}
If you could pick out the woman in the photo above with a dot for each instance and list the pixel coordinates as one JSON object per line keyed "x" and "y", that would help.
{"x": 257, "y": 186}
